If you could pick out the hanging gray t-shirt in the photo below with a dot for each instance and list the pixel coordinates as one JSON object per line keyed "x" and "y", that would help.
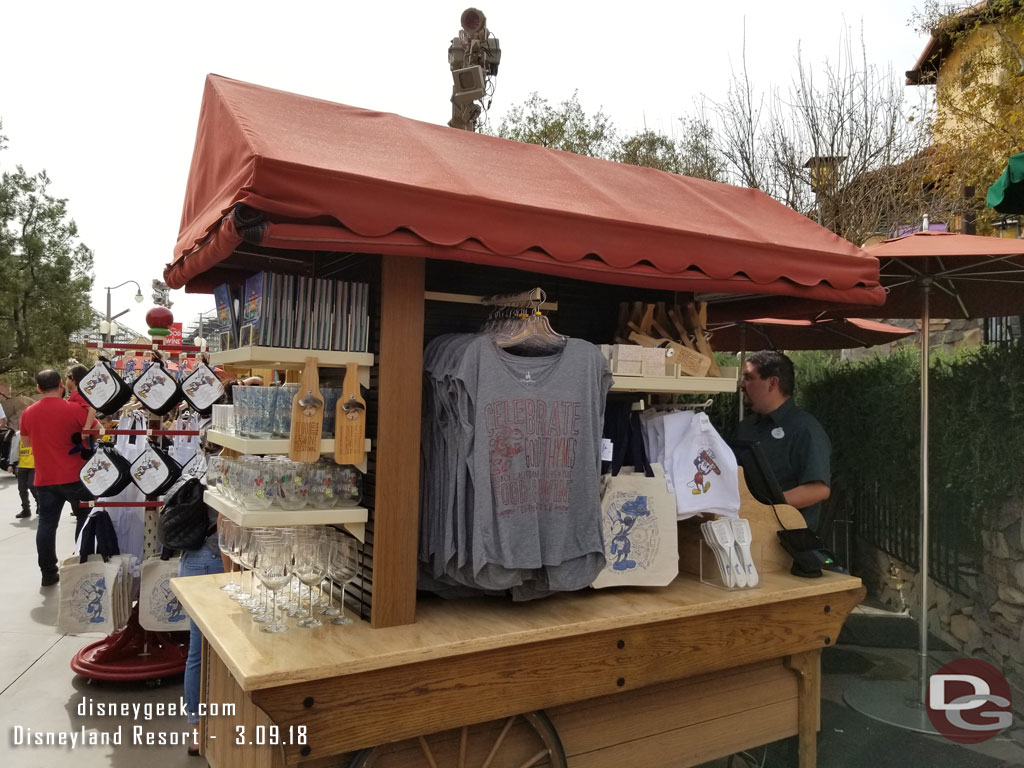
{"x": 534, "y": 465}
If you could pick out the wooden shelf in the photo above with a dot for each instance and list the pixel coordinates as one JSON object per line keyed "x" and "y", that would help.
{"x": 272, "y": 446}
{"x": 352, "y": 518}
{"x": 294, "y": 359}
{"x": 695, "y": 385}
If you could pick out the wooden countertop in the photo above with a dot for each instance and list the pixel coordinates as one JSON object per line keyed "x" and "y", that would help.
{"x": 259, "y": 660}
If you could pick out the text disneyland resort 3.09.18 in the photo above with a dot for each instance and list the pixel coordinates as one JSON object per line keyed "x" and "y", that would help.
{"x": 101, "y": 723}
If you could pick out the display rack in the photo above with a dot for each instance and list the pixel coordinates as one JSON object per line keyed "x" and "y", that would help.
{"x": 353, "y": 519}
{"x": 133, "y": 653}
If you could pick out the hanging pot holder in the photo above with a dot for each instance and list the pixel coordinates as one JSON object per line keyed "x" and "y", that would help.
{"x": 106, "y": 474}
{"x": 157, "y": 389}
{"x": 154, "y": 472}
{"x": 103, "y": 389}
{"x": 202, "y": 389}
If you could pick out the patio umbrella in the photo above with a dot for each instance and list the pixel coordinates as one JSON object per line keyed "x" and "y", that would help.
{"x": 782, "y": 333}
{"x": 948, "y": 275}
{"x": 1007, "y": 194}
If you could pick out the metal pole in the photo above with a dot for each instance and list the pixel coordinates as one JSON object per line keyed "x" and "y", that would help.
{"x": 925, "y": 354}
{"x": 743, "y": 360}
{"x": 107, "y": 335}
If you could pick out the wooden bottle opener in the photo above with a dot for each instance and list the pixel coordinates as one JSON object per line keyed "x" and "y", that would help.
{"x": 350, "y": 420}
{"x": 307, "y": 415}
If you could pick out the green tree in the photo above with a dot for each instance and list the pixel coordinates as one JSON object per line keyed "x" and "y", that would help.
{"x": 567, "y": 127}
{"x": 651, "y": 150}
{"x": 978, "y": 76}
{"x": 45, "y": 274}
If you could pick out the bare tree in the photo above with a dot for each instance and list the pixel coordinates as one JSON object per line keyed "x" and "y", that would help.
{"x": 841, "y": 145}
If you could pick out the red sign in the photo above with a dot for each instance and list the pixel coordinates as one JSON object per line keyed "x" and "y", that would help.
{"x": 969, "y": 701}
{"x": 174, "y": 340}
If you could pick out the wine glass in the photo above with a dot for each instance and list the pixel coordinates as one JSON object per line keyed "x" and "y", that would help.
{"x": 273, "y": 567}
{"x": 227, "y": 535}
{"x": 342, "y": 565}
{"x": 310, "y": 568}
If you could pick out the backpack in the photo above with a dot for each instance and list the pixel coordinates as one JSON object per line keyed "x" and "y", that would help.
{"x": 184, "y": 521}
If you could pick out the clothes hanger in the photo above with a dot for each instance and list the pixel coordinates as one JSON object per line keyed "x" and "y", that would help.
{"x": 534, "y": 333}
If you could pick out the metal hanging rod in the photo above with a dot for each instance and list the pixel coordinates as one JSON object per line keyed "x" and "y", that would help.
{"x": 512, "y": 299}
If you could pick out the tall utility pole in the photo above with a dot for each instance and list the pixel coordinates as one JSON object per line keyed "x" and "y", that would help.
{"x": 473, "y": 58}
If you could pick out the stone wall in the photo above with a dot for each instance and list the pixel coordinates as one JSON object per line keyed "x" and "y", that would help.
{"x": 988, "y": 621}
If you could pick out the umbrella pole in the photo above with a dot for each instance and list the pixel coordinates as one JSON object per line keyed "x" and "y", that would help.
{"x": 743, "y": 359}
{"x": 925, "y": 355}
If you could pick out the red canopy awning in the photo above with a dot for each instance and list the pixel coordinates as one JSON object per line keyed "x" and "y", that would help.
{"x": 329, "y": 177}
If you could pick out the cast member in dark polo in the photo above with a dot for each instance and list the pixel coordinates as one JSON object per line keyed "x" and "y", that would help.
{"x": 792, "y": 440}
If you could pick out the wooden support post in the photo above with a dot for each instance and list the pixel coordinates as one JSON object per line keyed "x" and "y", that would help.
{"x": 396, "y": 515}
{"x": 807, "y": 666}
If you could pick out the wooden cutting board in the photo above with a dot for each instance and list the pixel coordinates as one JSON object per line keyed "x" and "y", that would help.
{"x": 307, "y": 415}
{"x": 350, "y": 421}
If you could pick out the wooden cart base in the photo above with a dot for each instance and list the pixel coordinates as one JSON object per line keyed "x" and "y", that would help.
{"x": 732, "y": 672}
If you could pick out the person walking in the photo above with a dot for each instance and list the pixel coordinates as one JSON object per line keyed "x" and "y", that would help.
{"x": 47, "y": 427}
{"x": 26, "y": 474}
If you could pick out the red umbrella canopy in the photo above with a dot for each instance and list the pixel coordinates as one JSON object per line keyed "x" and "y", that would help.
{"x": 968, "y": 276}
{"x": 779, "y": 333}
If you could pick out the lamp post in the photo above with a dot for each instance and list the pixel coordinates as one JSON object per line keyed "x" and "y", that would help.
{"x": 106, "y": 329}
{"x": 200, "y": 339}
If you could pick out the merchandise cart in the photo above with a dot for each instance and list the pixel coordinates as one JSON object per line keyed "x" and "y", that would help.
{"x": 669, "y": 676}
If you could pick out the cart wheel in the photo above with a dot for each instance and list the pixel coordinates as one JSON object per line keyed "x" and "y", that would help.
{"x": 520, "y": 741}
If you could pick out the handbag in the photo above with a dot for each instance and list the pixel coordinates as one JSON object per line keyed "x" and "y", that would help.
{"x": 638, "y": 517}
{"x": 185, "y": 520}
{"x": 157, "y": 389}
{"x": 103, "y": 389}
{"x": 159, "y": 608}
{"x": 153, "y": 471}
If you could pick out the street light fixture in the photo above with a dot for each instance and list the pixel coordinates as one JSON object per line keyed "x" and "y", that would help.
{"x": 108, "y": 327}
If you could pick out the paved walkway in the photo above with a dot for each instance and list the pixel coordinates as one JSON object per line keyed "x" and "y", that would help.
{"x": 40, "y": 695}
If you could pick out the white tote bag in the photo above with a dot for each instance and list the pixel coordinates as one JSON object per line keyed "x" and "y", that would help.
{"x": 86, "y": 595}
{"x": 639, "y": 525}
{"x": 159, "y": 609}
{"x": 704, "y": 473}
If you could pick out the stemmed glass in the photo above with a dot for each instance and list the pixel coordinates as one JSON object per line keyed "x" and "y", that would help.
{"x": 273, "y": 567}
{"x": 310, "y": 567}
{"x": 227, "y": 538}
{"x": 342, "y": 564}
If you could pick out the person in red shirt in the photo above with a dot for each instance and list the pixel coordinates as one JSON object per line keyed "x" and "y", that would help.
{"x": 46, "y": 427}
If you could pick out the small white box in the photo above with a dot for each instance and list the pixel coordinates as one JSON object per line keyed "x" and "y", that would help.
{"x": 628, "y": 367}
{"x": 622, "y": 352}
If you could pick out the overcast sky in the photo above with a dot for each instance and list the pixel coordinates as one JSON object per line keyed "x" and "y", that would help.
{"x": 105, "y": 96}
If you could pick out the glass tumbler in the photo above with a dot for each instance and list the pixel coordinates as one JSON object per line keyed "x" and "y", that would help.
{"x": 256, "y": 485}
{"x": 291, "y": 488}
{"x": 243, "y": 401}
{"x": 264, "y": 401}
{"x": 331, "y": 396}
{"x": 282, "y": 421}
{"x": 347, "y": 485}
